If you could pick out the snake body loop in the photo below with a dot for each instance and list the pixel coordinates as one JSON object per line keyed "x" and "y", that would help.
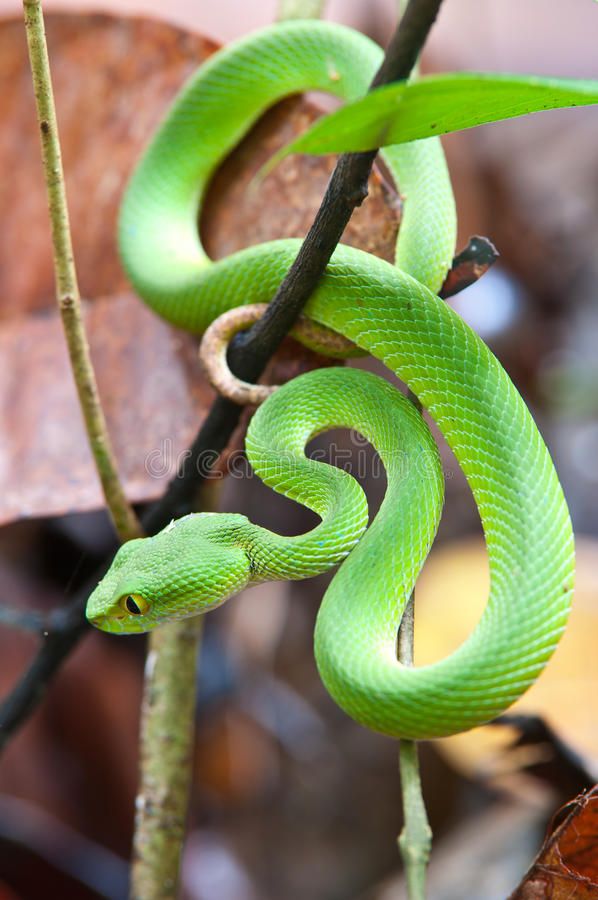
{"x": 391, "y": 312}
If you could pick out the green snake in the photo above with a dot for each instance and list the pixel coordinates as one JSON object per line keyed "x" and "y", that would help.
{"x": 393, "y": 313}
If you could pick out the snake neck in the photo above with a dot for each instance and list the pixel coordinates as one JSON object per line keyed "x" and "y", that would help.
{"x": 334, "y": 495}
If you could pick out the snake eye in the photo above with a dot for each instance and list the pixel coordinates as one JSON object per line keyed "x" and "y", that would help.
{"x": 134, "y": 604}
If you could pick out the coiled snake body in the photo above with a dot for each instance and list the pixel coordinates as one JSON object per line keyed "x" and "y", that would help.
{"x": 391, "y": 312}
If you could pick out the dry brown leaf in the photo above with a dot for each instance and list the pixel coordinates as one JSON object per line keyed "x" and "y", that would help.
{"x": 567, "y": 866}
{"x": 113, "y": 79}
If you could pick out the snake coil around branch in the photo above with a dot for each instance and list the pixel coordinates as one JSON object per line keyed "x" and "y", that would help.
{"x": 393, "y": 313}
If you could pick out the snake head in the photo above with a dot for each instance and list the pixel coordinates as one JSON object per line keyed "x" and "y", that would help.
{"x": 193, "y": 565}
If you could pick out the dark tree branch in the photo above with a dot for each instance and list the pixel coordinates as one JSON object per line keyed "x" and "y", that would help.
{"x": 347, "y": 189}
{"x": 64, "y": 629}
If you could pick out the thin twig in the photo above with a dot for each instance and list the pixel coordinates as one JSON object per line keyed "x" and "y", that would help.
{"x": 166, "y": 743}
{"x": 415, "y": 839}
{"x": 67, "y": 288}
{"x": 68, "y": 625}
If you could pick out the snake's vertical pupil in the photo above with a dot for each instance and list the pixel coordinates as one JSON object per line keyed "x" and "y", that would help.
{"x": 132, "y": 606}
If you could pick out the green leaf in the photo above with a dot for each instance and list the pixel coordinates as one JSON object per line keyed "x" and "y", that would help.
{"x": 436, "y": 104}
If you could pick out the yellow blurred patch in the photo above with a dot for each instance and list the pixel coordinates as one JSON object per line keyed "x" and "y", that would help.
{"x": 450, "y": 596}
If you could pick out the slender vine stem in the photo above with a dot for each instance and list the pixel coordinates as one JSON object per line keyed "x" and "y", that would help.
{"x": 415, "y": 839}
{"x": 67, "y": 288}
{"x": 166, "y": 743}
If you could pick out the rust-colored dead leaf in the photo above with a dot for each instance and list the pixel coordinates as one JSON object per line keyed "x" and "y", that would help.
{"x": 113, "y": 78}
{"x": 567, "y": 866}
{"x": 469, "y": 265}
{"x": 236, "y": 214}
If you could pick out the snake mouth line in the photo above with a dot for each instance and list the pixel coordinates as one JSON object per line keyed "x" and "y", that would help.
{"x": 114, "y": 625}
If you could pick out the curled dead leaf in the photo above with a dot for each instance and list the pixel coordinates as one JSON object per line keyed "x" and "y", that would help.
{"x": 566, "y": 867}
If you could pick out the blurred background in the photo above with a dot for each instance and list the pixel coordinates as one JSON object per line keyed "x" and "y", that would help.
{"x": 290, "y": 798}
